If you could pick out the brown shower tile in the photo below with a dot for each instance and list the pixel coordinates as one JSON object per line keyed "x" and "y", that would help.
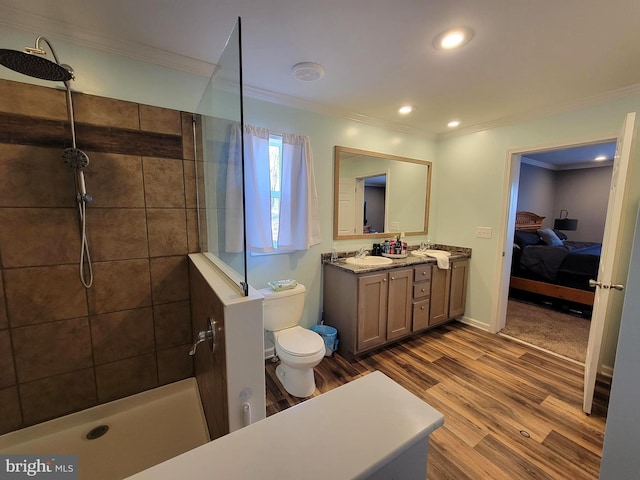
{"x": 169, "y": 279}
{"x": 187, "y": 135}
{"x": 57, "y": 396}
{"x": 121, "y": 335}
{"x": 161, "y": 120}
{"x": 11, "y": 418}
{"x": 163, "y": 182}
{"x": 192, "y": 231}
{"x": 42, "y": 294}
{"x": 34, "y": 177}
{"x": 120, "y": 285}
{"x": 167, "y": 232}
{"x": 4, "y": 321}
{"x": 126, "y": 377}
{"x": 190, "y": 182}
{"x": 51, "y": 348}
{"x": 39, "y": 236}
{"x": 7, "y": 372}
{"x": 117, "y": 233}
{"x": 172, "y": 323}
{"x": 106, "y": 112}
{"x": 32, "y": 100}
{"x": 174, "y": 364}
{"x": 115, "y": 180}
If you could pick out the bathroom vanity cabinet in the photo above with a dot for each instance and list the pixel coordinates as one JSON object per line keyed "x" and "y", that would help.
{"x": 375, "y": 308}
{"x": 448, "y": 292}
{"x": 383, "y": 307}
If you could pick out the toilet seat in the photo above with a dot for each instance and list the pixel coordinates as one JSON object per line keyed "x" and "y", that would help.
{"x": 299, "y": 342}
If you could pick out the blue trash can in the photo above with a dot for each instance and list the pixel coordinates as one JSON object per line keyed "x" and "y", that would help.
{"x": 330, "y": 337}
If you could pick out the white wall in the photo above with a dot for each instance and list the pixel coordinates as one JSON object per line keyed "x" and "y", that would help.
{"x": 324, "y": 133}
{"x": 472, "y": 188}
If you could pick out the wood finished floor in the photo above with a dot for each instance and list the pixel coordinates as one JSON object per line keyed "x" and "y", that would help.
{"x": 489, "y": 388}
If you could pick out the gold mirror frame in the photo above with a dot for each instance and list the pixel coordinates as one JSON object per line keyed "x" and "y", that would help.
{"x": 342, "y": 151}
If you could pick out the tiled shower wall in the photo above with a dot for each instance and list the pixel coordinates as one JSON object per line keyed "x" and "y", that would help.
{"x": 64, "y": 348}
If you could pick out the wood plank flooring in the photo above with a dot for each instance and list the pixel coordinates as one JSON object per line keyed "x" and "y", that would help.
{"x": 511, "y": 412}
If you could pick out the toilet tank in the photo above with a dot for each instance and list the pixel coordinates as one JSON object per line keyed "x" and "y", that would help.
{"x": 282, "y": 309}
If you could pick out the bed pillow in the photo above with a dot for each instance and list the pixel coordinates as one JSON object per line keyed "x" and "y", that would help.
{"x": 549, "y": 237}
{"x": 560, "y": 235}
{"x": 524, "y": 239}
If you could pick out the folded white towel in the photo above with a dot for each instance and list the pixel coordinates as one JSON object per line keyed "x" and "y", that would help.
{"x": 442, "y": 259}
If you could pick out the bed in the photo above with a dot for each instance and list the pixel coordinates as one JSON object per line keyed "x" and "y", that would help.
{"x": 546, "y": 263}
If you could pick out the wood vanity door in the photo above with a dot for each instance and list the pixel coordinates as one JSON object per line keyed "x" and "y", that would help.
{"x": 440, "y": 284}
{"x": 400, "y": 305}
{"x": 459, "y": 273}
{"x": 372, "y": 310}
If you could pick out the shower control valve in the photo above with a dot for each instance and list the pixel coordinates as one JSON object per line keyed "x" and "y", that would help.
{"x": 204, "y": 336}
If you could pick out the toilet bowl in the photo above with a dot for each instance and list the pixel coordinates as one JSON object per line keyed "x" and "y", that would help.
{"x": 299, "y": 349}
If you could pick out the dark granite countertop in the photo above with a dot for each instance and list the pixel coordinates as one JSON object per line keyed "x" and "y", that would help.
{"x": 410, "y": 260}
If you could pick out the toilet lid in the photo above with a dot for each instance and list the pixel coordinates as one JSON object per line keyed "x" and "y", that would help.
{"x": 300, "y": 342}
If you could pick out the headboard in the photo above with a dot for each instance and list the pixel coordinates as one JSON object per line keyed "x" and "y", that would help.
{"x": 528, "y": 222}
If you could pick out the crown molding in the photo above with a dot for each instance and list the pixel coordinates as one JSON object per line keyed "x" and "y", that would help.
{"x": 545, "y": 112}
{"x": 289, "y": 101}
{"x": 39, "y": 25}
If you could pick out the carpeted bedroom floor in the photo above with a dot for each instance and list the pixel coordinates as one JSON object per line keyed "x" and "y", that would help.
{"x": 562, "y": 333}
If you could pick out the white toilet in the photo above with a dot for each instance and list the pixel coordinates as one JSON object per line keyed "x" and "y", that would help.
{"x": 298, "y": 348}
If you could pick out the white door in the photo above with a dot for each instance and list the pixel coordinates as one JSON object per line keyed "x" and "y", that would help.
{"x": 347, "y": 206}
{"x": 607, "y": 290}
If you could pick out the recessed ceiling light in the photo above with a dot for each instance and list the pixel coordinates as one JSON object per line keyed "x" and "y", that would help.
{"x": 600, "y": 158}
{"x": 307, "y": 71}
{"x": 453, "y": 123}
{"x": 453, "y": 38}
{"x": 405, "y": 109}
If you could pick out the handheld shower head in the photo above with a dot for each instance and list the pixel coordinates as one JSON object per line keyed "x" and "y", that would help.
{"x": 75, "y": 158}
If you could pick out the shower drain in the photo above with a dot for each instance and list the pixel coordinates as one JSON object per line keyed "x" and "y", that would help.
{"x": 97, "y": 432}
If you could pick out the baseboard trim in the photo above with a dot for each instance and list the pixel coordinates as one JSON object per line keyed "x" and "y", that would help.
{"x": 473, "y": 323}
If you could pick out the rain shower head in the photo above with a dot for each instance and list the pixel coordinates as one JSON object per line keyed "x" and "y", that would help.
{"x": 32, "y": 64}
{"x": 35, "y": 66}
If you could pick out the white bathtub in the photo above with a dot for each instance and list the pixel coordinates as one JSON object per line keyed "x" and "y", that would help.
{"x": 144, "y": 430}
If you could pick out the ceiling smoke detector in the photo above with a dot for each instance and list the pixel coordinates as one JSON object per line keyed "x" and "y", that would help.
{"x": 307, "y": 71}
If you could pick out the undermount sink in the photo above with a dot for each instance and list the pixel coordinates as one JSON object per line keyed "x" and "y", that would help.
{"x": 369, "y": 261}
{"x": 424, "y": 253}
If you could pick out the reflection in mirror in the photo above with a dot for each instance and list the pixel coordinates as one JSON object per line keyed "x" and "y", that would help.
{"x": 377, "y": 194}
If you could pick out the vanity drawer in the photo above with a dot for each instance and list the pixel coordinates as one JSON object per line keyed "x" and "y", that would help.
{"x": 422, "y": 273}
{"x": 420, "y": 315}
{"x": 421, "y": 290}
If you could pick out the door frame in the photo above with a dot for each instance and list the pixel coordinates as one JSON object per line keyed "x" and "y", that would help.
{"x": 506, "y": 228}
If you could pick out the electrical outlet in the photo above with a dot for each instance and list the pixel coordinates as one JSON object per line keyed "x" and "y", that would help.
{"x": 395, "y": 226}
{"x": 484, "y": 232}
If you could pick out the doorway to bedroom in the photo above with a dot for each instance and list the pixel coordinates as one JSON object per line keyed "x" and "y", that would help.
{"x": 562, "y": 197}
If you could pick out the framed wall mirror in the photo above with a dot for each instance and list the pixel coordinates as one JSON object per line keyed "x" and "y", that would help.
{"x": 378, "y": 195}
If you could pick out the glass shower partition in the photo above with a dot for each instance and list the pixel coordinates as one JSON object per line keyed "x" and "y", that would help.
{"x": 221, "y": 219}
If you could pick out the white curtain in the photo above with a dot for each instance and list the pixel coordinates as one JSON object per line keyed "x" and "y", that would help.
{"x": 233, "y": 194}
{"x": 299, "y": 212}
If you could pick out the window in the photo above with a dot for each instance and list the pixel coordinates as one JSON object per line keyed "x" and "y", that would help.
{"x": 275, "y": 177}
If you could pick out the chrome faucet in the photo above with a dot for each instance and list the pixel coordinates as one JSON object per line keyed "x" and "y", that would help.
{"x": 361, "y": 253}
